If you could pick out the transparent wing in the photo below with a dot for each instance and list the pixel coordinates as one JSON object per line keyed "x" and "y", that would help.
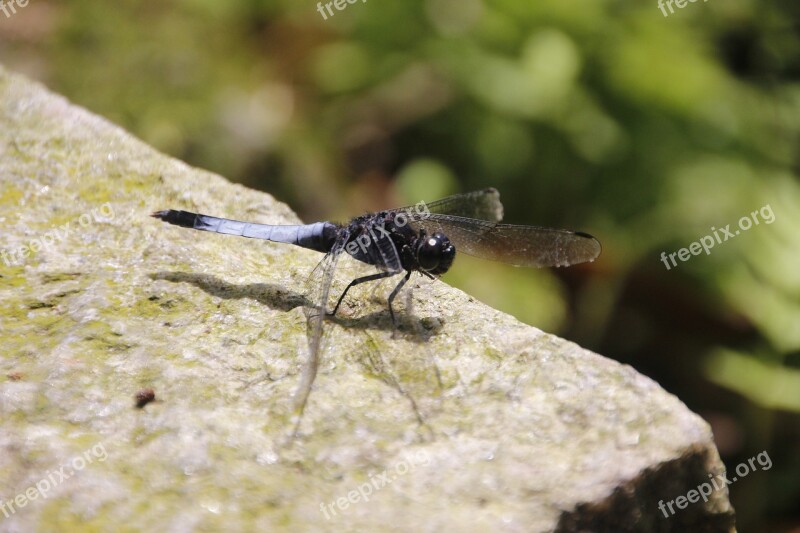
{"x": 483, "y": 205}
{"x": 529, "y": 246}
{"x": 318, "y": 288}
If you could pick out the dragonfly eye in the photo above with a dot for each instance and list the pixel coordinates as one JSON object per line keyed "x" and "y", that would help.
{"x": 435, "y": 253}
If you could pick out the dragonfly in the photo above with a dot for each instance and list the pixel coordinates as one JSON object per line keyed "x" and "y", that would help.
{"x": 423, "y": 238}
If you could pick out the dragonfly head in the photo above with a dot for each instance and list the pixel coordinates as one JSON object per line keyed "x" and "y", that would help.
{"x": 435, "y": 253}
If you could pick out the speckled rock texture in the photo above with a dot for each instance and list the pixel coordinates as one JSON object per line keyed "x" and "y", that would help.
{"x": 466, "y": 420}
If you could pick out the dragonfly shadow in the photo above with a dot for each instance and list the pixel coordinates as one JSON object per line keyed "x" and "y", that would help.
{"x": 412, "y": 328}
{"x": 272, "y": 295}
{"x": 280, "y": 298}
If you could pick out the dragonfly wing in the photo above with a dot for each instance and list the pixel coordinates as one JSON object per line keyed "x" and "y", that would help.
{"x": 528, "y": 246}
{"x": 318, "y": 291}
{"x": 483, "y": 205}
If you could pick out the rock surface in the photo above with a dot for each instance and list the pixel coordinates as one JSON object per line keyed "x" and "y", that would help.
{"x": 468, "y": 420}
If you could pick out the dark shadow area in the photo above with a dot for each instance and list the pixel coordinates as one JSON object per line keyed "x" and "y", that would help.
{"x": 418, "y": 329}
{"x": 283, "y": 299}
{"x": 634, "y": 506}
{"x": 269, "y": 294}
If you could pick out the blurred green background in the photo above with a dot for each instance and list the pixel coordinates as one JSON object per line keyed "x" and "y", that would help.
{"x": 599, "y": 115}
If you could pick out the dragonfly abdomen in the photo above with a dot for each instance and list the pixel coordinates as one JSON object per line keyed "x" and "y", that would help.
{"x": 317, "y": 236}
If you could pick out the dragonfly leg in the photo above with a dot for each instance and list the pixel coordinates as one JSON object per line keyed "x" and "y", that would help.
{"x": 394, "y": 293}
{"x": 358, "y": 281}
